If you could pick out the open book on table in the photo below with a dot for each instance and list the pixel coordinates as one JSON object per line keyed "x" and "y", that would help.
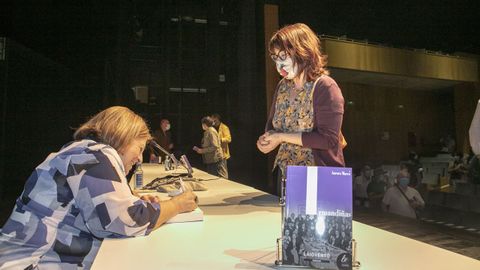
{"x": 195, "y": 215}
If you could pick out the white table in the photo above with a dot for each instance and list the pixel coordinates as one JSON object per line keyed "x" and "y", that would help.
{"x": 239, "y": 231}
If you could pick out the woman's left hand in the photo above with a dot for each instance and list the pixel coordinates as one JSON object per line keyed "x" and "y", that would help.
{"x": 150, "y": 198}
{"x": 273, "y": 139}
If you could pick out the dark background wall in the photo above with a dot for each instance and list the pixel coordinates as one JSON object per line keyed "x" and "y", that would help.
{"x": 415, "y": 120}
{"x": 86, "y": 55}
{"x": 447, "y": 26}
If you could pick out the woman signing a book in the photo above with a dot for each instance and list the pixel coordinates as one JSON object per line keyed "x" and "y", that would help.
{"x": 79, "y": 195}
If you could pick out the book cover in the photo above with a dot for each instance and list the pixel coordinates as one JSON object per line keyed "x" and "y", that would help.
{"x": 317, "y": 228}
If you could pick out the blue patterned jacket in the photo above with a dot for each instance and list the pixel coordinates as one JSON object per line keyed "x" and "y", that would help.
{"x": 71, "y": 202}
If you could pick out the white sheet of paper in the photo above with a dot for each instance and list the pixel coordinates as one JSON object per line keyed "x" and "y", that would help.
{"x": 195, "y": 215}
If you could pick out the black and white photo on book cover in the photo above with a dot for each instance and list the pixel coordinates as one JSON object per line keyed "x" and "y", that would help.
{"x": 317, "y": 228}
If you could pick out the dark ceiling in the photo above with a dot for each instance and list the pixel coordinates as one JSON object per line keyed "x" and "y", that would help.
{"x": 78, "y": 32}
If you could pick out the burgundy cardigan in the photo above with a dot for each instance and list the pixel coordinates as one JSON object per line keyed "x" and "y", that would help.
{"x": 328, "y": 116}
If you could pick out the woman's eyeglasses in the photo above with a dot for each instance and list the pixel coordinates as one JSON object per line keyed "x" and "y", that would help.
{"x": 282, "y": 55}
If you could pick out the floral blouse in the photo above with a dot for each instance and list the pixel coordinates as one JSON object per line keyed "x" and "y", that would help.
{"x": 290, "y": 116}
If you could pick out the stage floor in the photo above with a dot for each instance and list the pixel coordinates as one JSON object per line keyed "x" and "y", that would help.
{"x": 458, "y": 240}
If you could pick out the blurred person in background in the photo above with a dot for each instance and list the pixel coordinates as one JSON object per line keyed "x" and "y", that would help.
{"x": 360, "y": 186}
{"x": 211, "y": 150}
{"x": 401, "y": 199}
{"x": 163, "y": 137}
{"x": 225, "y": 138}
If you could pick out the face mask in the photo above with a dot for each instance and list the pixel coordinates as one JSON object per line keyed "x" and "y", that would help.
{"x": 403, "y": 182}
{"x": 286, "y": 68}
{"x": 167, "y": 127}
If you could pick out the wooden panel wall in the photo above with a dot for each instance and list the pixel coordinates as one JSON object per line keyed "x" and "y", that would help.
{"x": 369, "y": 57}
{"x": 372, "y": 110}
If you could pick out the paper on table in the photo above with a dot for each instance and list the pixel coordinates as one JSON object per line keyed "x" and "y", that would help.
{"x": 195, "y": 215}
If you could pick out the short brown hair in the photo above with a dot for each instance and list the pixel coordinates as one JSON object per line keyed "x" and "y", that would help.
{"x": 208, "y": 121}
{"x": 303, "y": 45}
{"x": 116, "y": 126}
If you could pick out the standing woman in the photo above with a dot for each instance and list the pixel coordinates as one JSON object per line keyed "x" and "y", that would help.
{"x": 79, "y": 195}
{"x": 211, "y": 149}
{"x": 307, "y": 111}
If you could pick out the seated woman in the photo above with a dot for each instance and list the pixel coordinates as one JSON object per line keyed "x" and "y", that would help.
{"x": 79, "y": 196}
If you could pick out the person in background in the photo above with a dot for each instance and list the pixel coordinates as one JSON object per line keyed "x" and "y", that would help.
{"x": 306, "y": 115}
{"x": 225, "y": 138}
{"x": 447, "y": 144}
{"x": 377, "y": 187}
{"x": 401, "y": 199}
{"x": 459, "y": 168}
{"x": 163, "y": 137}
{"x": 79, "y": 195}
{"x": 414, "y": 168}
{"x": 360, "y": 186}
{"x": 211, "y": 150}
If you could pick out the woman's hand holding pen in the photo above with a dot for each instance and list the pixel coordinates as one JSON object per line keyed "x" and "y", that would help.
{"x": 150, "y": 198}
{"x": 186, "y": 202}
